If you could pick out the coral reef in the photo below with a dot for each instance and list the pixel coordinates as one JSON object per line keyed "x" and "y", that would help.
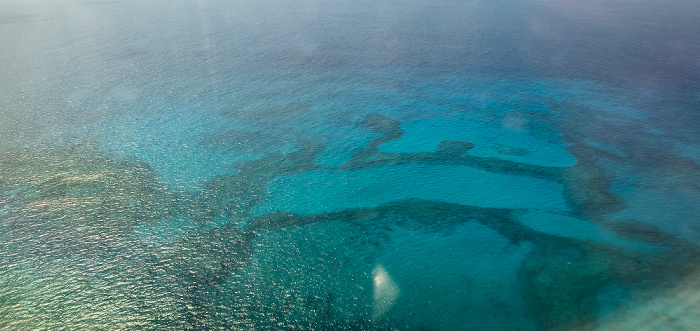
{"x": 71, "y": 212}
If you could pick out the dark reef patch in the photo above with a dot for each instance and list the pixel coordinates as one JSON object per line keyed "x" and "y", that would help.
{"x": 283, "y": 163}
{"x": 587, "y": 187}
{"x": 389, "y": 128}
{"x": 449, "y": 152}
{"x": 234, "y": 195}
{"x": 647, "y": 233}
{"x": 206, "y": 258}
{"x": 414, "y": 214}
{"x": 454, "y": 149}
{"x": 559, "y": 280}
{"x": 381, "y": 124}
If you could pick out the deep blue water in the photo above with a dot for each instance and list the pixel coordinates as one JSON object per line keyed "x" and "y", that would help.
{"x": 316, "y": 165}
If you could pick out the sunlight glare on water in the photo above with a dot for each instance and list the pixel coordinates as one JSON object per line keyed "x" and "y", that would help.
{"x": 371, "y": 165}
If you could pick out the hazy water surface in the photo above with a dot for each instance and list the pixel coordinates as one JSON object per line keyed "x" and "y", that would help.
{"x": 388, "y": 165}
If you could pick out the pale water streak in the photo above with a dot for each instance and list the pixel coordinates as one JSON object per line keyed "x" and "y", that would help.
{"x": 371, "y": 165}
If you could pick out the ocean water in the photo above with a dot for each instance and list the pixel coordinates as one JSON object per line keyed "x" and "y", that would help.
{"x": 364, "y": 165}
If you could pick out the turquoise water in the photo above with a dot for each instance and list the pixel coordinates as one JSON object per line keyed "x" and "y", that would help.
{"x": 381, "y": 185}
{"x": 305, "y": 165}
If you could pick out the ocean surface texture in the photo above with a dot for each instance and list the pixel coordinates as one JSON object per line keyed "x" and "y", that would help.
{"x": 350, "y": 165}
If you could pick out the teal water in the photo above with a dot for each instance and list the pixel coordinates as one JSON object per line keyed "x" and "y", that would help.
{"x": 305, "y": 165}
{"x": 381, "y": 185}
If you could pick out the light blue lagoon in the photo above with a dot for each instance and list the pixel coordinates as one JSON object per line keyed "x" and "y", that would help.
{"x": 365, "y": 165}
